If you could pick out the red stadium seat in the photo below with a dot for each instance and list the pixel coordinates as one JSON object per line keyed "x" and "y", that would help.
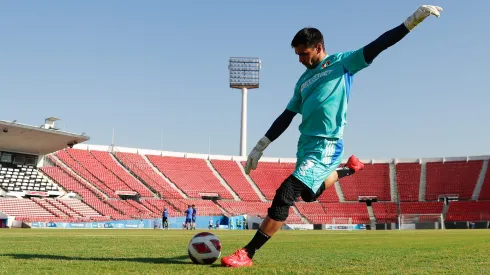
{"x": 191, "y": 175}
{"x": 455, "y": 177}
{"x": 232, "y": 174}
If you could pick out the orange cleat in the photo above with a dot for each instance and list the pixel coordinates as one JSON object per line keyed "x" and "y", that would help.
{"x": 354, "y": 163}
{"x": 237, "y": 259}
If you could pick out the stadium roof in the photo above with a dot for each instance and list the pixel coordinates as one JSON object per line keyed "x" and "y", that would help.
{"x": 35, "y": 140}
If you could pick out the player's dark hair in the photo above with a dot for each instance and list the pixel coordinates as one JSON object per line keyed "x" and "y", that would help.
{"x": 309, "y": 37}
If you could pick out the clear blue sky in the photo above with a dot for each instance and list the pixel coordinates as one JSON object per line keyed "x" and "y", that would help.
{"x": 151, "y": 67}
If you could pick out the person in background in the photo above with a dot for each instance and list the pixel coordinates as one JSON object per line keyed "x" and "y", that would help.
{"x": 188, "y": 217}
{"x": 194, "y": 213}
{"x": 165, "y": 218}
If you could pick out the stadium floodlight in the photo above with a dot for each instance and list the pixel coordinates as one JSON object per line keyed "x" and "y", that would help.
{"x": 244, "y": 75}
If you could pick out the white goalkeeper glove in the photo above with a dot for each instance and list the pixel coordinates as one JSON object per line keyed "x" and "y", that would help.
{"x": 420, "y": 14}
{"x": 254, "y": 156}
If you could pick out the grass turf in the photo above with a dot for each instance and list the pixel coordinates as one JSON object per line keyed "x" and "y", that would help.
{"x": 92, "y": 251}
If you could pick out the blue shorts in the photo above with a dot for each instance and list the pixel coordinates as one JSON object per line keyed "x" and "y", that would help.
{"x": 188, "y": 220}
{"x": 317, "y": 158}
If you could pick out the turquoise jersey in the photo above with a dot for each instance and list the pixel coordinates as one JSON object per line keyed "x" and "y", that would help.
{"x": 322, "y": 93}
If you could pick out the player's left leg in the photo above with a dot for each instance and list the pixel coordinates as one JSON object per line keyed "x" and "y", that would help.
{"x": 285, "y": 196}
{"x": 277, "y": 214}
{"x": 316, "y": 170}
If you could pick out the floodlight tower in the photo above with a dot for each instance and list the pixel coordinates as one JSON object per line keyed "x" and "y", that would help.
{"x": 244, "y": 75}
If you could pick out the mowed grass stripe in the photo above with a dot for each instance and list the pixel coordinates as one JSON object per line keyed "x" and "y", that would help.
{"x": 93, "y": 251}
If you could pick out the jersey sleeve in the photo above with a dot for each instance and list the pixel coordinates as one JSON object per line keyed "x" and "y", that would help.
{"x": 294, "y": 104}
{"x": 354, "y": 61}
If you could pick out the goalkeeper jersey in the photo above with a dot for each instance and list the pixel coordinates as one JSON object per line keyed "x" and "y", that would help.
{"x": 321, "y": 94}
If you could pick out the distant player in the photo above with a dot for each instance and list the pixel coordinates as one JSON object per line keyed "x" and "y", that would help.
{"x": 188, "y": 217}
{"x": 165, "y": 218}
{"x": 194, "y": 215}
{"x": 321, "y": 97}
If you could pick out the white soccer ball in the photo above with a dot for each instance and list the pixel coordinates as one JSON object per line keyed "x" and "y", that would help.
{"x": 204, "y": 248}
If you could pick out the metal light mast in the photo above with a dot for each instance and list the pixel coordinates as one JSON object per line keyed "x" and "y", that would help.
{"x": 244, "y": 75}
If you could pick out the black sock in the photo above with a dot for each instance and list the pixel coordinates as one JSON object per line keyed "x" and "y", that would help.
{"x": 344, "y": 172}
{"x": 257, "y": 242}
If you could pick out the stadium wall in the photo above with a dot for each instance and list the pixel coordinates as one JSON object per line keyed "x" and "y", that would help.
{"x": 202, "y": 222}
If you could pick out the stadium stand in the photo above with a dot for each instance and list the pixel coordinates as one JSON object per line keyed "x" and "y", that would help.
{"x": 326, "y": 210}
{"x": 243, "y": 207}
{"x": 53, "y": 209}
{"x": 485, "y": 190}
{"x": 74, "y": 206}
{"x": 110, "y": 163}
{"x": 105, "y": 176}
{"x": 329, "y": 195}
{"x": 311, "y": 211}
{"x": 158, "y": 205}
{"x": 137, "y": 164}
{"x": 89, "y": 195}
{"x": 354, "y": 210}
{"x": 421, "y": 207}
{"x": 205, "y": 207}
{"x": 232, "y": 174}
{"x": 191, "y": 175}
{"x": 373, "y": 181}
{"x": 473, "y": 211}
{"x": 82, "y": 184}
{"x": 258, "y": 209}
{"x": 84, "y": 173}
{"x": 452, "y": 178}
{"x": 385, "y": 212}
{"x": 131, "y": 210}
{"x": 20, "y": 178}
{"x": 26, "y": 210}
{"x": 408, "y": 181}
{"x": 269, "y": 175}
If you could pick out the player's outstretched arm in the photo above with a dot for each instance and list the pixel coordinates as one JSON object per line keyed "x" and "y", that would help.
{"x": 394, "y": 35}
{"x": 277, "y": 128}
{"x": 280, "y": 125}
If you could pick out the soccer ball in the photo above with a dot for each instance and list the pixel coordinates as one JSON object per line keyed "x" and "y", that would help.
{"x": 204, "y": 248}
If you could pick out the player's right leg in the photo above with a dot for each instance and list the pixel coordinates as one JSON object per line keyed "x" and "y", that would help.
{"x": 353, "y": 165}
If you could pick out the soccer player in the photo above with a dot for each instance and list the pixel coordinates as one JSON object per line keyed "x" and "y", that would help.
{"x": 320, "y": 96}
{"x": 194, "y": 213}
{"x": 165, "y": 218}
{"x": 188, "y": 217}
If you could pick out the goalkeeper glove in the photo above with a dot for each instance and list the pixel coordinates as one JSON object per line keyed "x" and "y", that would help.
{"x": 420, "y": 14}
{"x": 254, "y": 156}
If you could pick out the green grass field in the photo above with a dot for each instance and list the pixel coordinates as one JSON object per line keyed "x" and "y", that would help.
{"x": 55, "y": 251}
